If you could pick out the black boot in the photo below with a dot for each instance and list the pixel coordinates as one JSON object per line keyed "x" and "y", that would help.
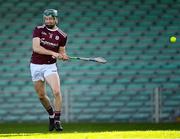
{"x": 58, "y": 126}
{"x": 51, "y": 124}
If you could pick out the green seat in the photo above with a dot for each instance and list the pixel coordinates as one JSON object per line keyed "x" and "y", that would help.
{"x": 134, "y": 104}
{"x": 117, "y": 86}
{"x": 18, "y": 83}
{"x": 136, "y": 67}
{"x": 76, "y": 111}
{"x": 140, "y": 116}
{"x": 99, "y": 87}
{"x": 97, "y": 104}
{"x": 121, "y": 116}
{"x": 145, "y": 57}
{"x": 170, "y": 66}
{"x": 124, "y": 97}
{"x": 12, "y": 118}
{"x": 153, "y": 66}
{"x": 18, "y": 112}
{"x": 3, "y": 112}
{"x": 164, "y": 72}
{"x": 14, "y": 100}
{"x": 23, "y": 5}
{"x": 29, "y": 118}
{"x": 144, "y": 110}
{"x": 116, "y": 104}
{"x": 172, "y": 103}
{"x": 11, "y": 89}
{"x": 145, "y": 72}
{"x": 105, "y": 97}
{"x": 124, "y": 80}
{"x": 135, "y": 87}
{"x": 3, "y": 38}
{"x": 167, "y": 110}
{"x": 104, "y": 117}
{"x": 141, "y": 80}
{"x": 159, "y": 80}
{"x": 80, "y": 105}
{"x": 111, "y": 73}
{"x": 23, "y": 105}
{"x": 87, "y": 81}
{"x": 85, "y": 117}
{"x": 91, "y": 110}
{"x": 27, "y": 88}
{"x": 151, "y": 86}
{"x": 24, "y": 75}
{"x": 71, "y": 81}
{"x": 170, "y": 85}
{"x": 106, "y": 81}
{"x": 4, "y": 83}
{"x": 7, "y": 106}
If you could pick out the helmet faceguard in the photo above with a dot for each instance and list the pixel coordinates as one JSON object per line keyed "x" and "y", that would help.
{"x": 50, "y": 12}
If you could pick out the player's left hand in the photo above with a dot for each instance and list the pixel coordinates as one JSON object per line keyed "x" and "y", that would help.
{"x": 64, "y": 57}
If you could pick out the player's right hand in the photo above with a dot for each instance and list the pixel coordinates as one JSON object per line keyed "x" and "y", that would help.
{"x": 55, "y": 55}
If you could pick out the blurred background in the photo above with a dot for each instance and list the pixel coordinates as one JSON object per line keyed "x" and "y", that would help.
{"x": 140, "y": 82}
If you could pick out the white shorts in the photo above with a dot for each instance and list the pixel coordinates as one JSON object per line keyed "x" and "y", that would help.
{"x": 39, "y": 72}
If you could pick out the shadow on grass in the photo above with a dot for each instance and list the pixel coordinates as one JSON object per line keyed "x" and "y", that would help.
{"x": 25, "y": 128}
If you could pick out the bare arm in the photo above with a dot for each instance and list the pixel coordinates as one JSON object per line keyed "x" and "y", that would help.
{"x": 62, "y": 52}
{"x": 39, "y": 49}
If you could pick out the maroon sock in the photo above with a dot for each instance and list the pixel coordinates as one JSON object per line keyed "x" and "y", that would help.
{"x": 50, "y": 111}
{"x": 57, "y": 116}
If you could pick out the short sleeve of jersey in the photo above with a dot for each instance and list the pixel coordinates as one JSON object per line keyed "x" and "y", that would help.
{"x": 63, "y": 42}
{"x": 36, "y": 32}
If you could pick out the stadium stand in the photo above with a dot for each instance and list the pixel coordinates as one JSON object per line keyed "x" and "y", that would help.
{"x": 132, "y": 35}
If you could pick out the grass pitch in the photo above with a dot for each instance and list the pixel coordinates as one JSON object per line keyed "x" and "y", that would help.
{"x": 91, "y": 131}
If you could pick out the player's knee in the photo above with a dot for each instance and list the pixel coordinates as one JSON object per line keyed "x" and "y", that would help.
{"x": 39, "y": 89}
{"x": 41, "y": 96}
{"x": 56, "y": 92}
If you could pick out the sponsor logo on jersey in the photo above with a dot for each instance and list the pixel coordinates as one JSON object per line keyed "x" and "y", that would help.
{"x": 42, "y": 41}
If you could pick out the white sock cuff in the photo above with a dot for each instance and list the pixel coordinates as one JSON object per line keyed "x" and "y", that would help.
{"x": 51, "y": 116}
